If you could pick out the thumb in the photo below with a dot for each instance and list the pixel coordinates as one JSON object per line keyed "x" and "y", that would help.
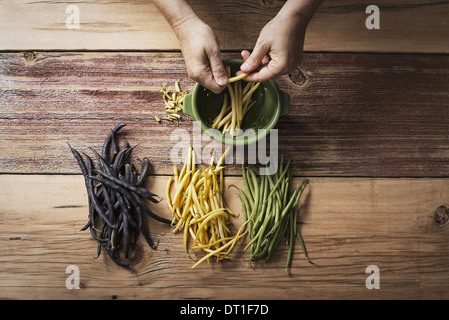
{"x": 255, "y": 58}
{"x": 218, "y": 69}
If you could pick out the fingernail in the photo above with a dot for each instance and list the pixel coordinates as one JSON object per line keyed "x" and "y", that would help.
{"x": 244, "y": 66}
{"x": 222, "y": 81}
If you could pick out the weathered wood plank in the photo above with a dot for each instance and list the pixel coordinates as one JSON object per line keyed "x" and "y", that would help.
{"x": 339, "y": 25}
{"x": 347, "y": 224}
{"x": 350, "y": 115}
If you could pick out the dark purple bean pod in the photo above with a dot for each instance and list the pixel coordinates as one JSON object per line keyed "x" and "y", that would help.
{"x": 87, "y": 225}
{"x": 121, "y": 159}
{"x": 144, "y": 171}
{"x": 132, "y": 197}
{"x": 117, "y": 198}
{"x": 99, "y": 246}
{"x": 97, "y": 237}
{"x": 107, "y": 203}
{"x": 93, "y": 196}
{"x": 118, "y": 261}
{"x": 84, "y": 172}
{"x": 106, "y": 152}
{"x": 80, "y": 160}
{"x": 127, "y": 174}
{"x": 103, "y": 163}
{"x": 108, "y": 195}
{"x": 126, "y": 236}
{"x": 137, "y": 213}
{"x": 147, "y": 210}
{"x": 126, "y": 211}
{"x": 139, "y": 190}
{"x": 134, "y": 175}
{"x": 148, "y": 238}
{"x": 97, "y": 233}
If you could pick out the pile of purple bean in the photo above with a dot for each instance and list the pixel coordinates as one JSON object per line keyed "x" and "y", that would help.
{"x": 117, "y": 198}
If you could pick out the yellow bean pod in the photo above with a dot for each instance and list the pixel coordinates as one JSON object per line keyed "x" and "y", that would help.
{"x": 236, "y": 103}
{"x": 195, "y": 199}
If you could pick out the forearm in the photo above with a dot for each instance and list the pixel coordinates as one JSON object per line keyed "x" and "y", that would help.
{"x": 199, "y": 44}
{"x": 303, "y": 10}
{"x": 176, "y": 12}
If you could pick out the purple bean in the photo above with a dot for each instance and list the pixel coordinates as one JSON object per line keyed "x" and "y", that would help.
{"x": 111, "y": 140}
{"x": 93, "y": 196}
{"x": 117, "y": 196}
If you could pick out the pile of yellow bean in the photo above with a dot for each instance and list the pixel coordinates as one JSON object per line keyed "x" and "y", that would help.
{"x": 195, "y": 199}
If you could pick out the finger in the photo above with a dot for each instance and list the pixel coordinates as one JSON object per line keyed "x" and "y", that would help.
{"x": 265, "y": 73}
{"x": 203, "y": 75}
{"x": 245, "y": 54}
{"x": 266, "y": 59}
{"x": 210, "y": 84}
{"x": 228, "y": 71}
{"x": 218, "y": 69}
{"x": 255, "y": 58}
{"x": 206, "y": 79}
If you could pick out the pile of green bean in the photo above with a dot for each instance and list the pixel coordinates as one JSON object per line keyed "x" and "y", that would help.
{"x": 271, "y": 211}
{"x": 117, "y": 198}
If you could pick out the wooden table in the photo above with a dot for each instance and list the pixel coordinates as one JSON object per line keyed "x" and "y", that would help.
{"x": 368, "y": 126}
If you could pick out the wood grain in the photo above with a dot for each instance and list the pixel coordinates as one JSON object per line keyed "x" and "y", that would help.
{"x": 347, "y": 224}
{"x": 418, "y": 26}
{"x": 380, "y": 115}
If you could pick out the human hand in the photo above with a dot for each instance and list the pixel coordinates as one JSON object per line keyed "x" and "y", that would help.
{"x": 278, "y": 50}
{"x": 201, "y": 51}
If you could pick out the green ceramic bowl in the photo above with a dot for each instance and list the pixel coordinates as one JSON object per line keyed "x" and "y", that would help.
{"x": 203, "y": 105}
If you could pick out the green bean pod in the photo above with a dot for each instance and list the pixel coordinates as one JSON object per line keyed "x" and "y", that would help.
{"x": 272, "y": 212}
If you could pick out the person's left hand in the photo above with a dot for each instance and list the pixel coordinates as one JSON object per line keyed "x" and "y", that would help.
{"x": 278, "y": 50}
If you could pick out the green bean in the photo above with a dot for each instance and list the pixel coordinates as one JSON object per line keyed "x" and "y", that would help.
{"x": 278, "y": 236}
{"x": 264, "y": 189}
{"x": 272, "y": 210}
{"x": 248, "y": 188}
{"x": 251, "y": 242}
{"x": 244, "y": 201}
{"x": 277, "y": 210}
{"x": 290, "y": 238}
{"x": 267, "y": 219}
{"x": 279, "y": 180}
{"x": 303, "y": 246}
{"x": 263, "y": 252}
{"x": 292, "y": 200}
{"x": 278, "y": 193}
{"x": 258, "y": 232}
{"x": 260, "y": 235}
{"x": 256, "y": 199}
{"x": 280, "y": 168}
{"x": 295, "y": 198}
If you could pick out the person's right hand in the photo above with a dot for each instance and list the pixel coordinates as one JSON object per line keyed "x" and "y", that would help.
{"x": 278, "y": 50}
{"x": 199, "y": 46}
